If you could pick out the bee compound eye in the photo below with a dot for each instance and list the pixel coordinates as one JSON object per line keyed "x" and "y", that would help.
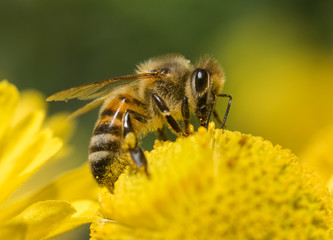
{"x": 200, "y": 80}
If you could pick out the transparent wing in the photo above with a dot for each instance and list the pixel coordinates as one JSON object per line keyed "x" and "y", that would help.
{"x": 88, "y": 107}
{"x": 99, "y": 89}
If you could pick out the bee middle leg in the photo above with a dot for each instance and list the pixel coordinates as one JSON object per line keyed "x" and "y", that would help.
{"x": 227, "y": 110}
{"x": 160, "y": 103}
{"x": 134, "y": 149}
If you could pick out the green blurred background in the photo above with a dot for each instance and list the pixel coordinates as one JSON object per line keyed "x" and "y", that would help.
{"x": 277, "y": 56}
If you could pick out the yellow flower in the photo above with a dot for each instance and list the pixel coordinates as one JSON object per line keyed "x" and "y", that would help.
{"x": 27, "y": 143}
{"x": 216, "y": 185}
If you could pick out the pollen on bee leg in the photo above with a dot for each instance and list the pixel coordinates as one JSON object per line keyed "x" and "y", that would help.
{"x": 202, "y": 130}
{"x": 211, "y": 126}
{"x": 190, "y": 129}
{"x": 129, "y": 141}
{"x": 157, "y": 143}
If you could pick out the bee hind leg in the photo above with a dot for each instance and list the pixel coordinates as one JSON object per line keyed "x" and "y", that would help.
{"x": 134, "y": 149}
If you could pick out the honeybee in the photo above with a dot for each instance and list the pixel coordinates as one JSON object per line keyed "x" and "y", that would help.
{"x": 163, "y": 90}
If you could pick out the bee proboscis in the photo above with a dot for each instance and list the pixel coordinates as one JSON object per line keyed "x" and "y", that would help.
{"x": 163, "y": 90}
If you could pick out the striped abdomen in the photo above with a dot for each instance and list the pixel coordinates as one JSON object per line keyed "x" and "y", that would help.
{"x": 107, "y": 158}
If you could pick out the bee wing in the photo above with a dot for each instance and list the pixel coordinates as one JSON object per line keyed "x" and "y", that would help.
{"x": 88, "y": 107}
{"x": 98, "y": 89}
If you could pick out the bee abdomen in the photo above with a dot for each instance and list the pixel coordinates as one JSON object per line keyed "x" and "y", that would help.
{"x": 107, "y": 157}
{"x": 105, "y": 142}
{"x": 105, "y": 154}
{"x": 101, "y": 164}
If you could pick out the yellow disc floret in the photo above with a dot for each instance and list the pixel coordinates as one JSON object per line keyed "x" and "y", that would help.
{"x": 216, "y": 184}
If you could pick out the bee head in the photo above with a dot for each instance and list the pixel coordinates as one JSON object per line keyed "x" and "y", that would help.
{"x": 206, "y": 83}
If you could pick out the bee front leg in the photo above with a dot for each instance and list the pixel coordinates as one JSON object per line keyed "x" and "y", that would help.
{"x": 166, "y": 112}
{"x": 135, "y": 151}
{"x": 227, "y": 110}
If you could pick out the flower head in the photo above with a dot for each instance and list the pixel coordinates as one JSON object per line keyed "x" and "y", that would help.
{"x": 216, "y": 184}
{"x": 28, "y": 141}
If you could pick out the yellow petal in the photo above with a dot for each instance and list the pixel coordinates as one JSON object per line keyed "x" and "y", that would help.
{"x": 61, "y": 126}
{"x": 9, "y": 97}
{"x": 17, "y": 140}
{"x": 37, "y": 221}
{"x": 41, "y": 149}
{"x": 72, "y": 186}
{"x": 41, "y": 153}
{"x": 86, "y": 211}
{"x": 30, "y": 101}
{"x": 25, "y": 147}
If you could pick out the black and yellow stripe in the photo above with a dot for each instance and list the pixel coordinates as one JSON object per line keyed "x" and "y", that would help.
{"x": 107, "y": 158}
